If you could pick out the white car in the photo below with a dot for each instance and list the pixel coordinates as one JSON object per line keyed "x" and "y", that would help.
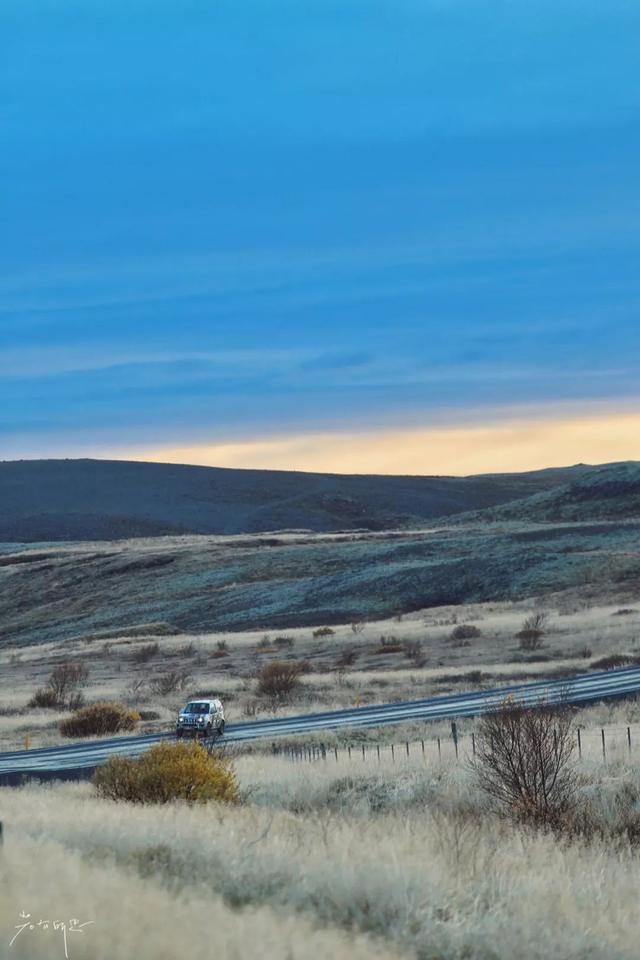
{"x": 201, "y": 718}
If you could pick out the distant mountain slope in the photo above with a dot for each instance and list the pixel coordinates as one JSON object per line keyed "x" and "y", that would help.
{"x": 198, "y": 584}
{"x": 100, "y": 499}
{"x": 611, "y": 492}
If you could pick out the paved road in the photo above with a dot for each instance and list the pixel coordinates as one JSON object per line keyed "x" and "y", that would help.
{"x": 74, "y": 759}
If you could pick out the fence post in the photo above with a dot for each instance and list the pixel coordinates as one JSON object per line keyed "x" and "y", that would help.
{"x": 629, "y": 738}
{"x": 422, "y": 742}
{"x": 378, "y": 751}
{"x": 407, "y": 746}
{"x": 323, "y": 751}
{"x": 454, "y": 734}
{"x": 604, "y": 747}
{"x": 579, "y": 744}
{"x": 555, "y": 743}
{"x": 393, "y": 756}
{"x": 335, "y": 750}
{"x": 473, "y": 743}
{"x": 1, "y": 833}
{"x": 439, "y": 749}
{"x": 349, "y": 750}
{"x": 364, "y": 756}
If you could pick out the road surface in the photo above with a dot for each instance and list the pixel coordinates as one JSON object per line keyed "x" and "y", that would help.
{"x": 79, "y": 759}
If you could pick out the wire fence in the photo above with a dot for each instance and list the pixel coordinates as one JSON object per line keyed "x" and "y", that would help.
{"x": 593, "y": 743}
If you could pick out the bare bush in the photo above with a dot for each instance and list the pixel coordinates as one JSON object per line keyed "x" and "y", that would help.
{"x": 264, "y": 643}
{"x": 62, "y": 687}
{"x": 357, "y": 626}
{"x": 323, "y": 632}
{"x": 532, "y": 630}
{"x": 278, "y": 680}
{"x": 170, "y": 682}
{"x": 524, "y": 761}
{"x": 66, "y": 678}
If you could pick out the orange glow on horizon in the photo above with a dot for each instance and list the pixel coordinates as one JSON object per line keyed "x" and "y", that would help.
{"x": 459, "y": 450}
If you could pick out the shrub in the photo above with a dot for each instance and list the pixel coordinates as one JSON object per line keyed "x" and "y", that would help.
{"x": 323, "y": 632}
{"x": 145, "y": 653}
{"x": 166, "y": 772}
{"x": 357, "y": 626}
{"x": 44, "y": 698}
{"x": 222, "y": 646}
{"x": 390, "y": 645}
{"x": 466, "y": 631}
{"x": 264, "y": 643}
{"x": 170, "y": 682}
{"x": 65, "y": 680}
{"x": 283, "y": 642}
{"x": 532, "y": 631}
{"x": 523, "y": 762}
{"x": 278, "y": 680}
{"x": 98, "y": 719}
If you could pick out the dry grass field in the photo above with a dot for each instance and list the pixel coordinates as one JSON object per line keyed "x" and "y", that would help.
{"x": 406, "y": 657}
{"x": 350, "y": 858}
{"x": 320, "y": 861}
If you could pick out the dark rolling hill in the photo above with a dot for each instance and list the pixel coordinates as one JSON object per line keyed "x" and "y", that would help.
{"x": 610, "y": 492}
{"x": 82, "y": 500}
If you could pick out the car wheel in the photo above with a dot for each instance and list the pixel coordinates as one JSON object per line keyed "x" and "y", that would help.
{"x": 221, "y": 728}
{"x": 179, "y": 734}
{"x": 207, "y": 730}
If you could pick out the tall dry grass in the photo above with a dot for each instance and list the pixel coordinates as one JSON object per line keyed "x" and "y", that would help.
{"x": 405, "y": 856}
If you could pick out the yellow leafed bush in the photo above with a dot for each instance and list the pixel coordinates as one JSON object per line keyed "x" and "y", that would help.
{"x": 99, "y": 718}
{"x": 168, "y": 771}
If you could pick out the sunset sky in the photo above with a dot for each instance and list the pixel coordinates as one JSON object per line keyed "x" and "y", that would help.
{"x": 346, "y": 235}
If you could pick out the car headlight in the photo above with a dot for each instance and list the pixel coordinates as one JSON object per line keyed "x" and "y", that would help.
{"x": 200, "y": 719}
{"x": 180, "y": 719}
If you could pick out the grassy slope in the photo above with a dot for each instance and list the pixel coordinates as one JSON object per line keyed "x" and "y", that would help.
{"x": 611, "y": 492}
{"x": 200, "y": 583}
{"x": 90, "y": 499}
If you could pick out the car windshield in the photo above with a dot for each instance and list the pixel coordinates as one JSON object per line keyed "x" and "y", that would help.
{"x": 196, "y": 708}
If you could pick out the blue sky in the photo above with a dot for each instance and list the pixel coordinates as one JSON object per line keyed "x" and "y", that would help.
{"x": 225, "y": 222}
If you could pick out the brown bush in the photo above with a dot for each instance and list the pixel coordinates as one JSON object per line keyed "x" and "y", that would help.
{"x": 98, "y": 719}
{"x": 166, "y": 772}
{"x": 390, "y": 645}
{"x": 45, "y": 699}
{"x": 524, "y": 761}
{"x": 323, "y": 632}
{"x": 278, "y": 680}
